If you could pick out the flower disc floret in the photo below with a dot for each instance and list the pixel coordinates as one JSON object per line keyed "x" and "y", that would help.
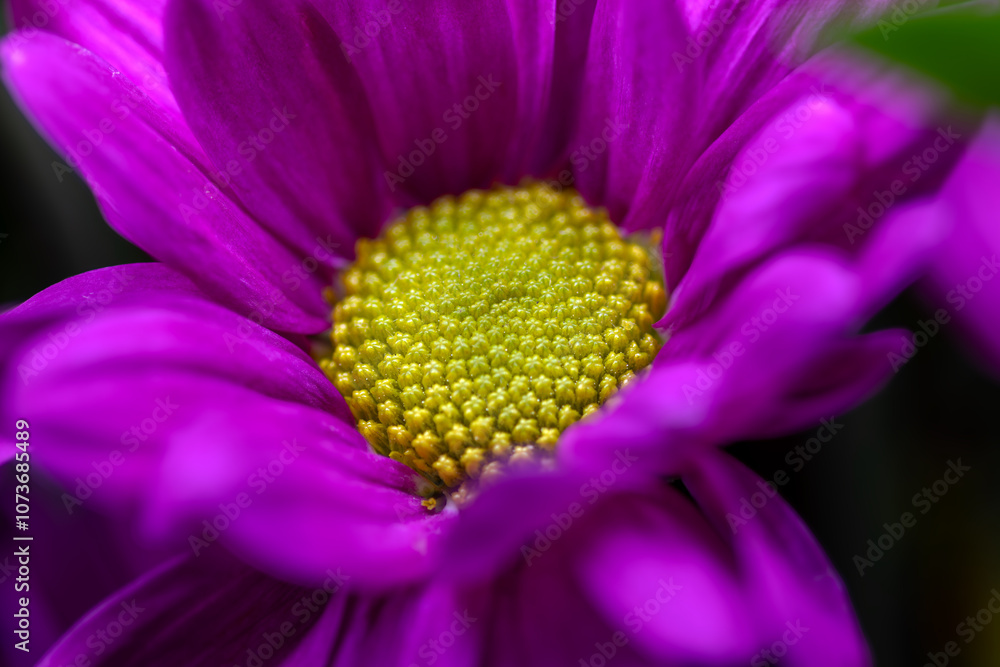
{"x": 473, "y": 332}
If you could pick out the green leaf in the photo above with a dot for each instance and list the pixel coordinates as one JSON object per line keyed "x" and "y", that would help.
{"x": 959, "y": 48}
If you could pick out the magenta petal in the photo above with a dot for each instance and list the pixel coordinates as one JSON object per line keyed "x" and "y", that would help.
{"x": 541, "y": 615}
{"x": 484, "y": 540}
{"x": 803, "y": 177}
{"x": 899, "y": 250}
{"x": 634, "y": 107}
{"x": 746, "y": 370}
{"x": 419, "y": 625}
{"x": 569, "y": 60}
{"x": 161, "y": 198}
{"x": 160, "y": 406}
{"x": 276, "y": 105}
{"x": 962, "y": 282}
{"x": 188, "y": 612}
{"x": 129, "y": 35}
{"x": 657, "y": 567}
{"x": 534, "y": 28}
{"x": 694, "y": 205}
{"x": 709, "y": 583}
{"x": 790, "y": 584}
{"x": 446, "y": 83}
{"x": 742, "y": 48}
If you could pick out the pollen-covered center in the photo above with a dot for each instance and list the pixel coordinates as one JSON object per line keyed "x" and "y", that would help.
{"x": 475, "y": 331}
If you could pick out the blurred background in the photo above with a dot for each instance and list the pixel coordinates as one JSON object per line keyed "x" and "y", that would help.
{"x": 939, "y": 408}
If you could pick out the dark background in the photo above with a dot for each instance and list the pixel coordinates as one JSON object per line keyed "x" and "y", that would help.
{"x": 939, "y": 407}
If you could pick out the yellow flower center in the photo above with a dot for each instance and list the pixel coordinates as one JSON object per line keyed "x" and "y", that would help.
{"x": 475, "y": 331}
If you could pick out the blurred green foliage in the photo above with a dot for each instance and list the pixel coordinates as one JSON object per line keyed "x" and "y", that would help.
{"x": 958, "y": 47}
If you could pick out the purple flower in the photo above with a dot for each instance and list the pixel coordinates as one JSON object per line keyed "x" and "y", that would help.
{"x": 284, "y": 133}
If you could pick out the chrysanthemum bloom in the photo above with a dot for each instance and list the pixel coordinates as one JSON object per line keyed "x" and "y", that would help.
{"x": 468, "y": 497}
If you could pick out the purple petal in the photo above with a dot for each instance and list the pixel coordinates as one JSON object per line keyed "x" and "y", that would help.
{"x": 153, "y": 184}
{"x": 534, "y": 47}
{"x": 129, "y": 35}
{"x": 716, "y": 583}
{"x": 484, "y": 540}
{"x": 451, "y": 86}
{"x": 961, "y": 282}
{"x": 540, "y": 615}
{"x": 740, "y": 49}
{"x": 572, "y": 36}
{"x": 62, "y": 589}
{"x": 747, "y": 369}
{"x": 790, "y": 584}
{"x": 654, "y": 565}
{"x": 419, "y": 625}
{"x": 806, "y": 175}
{"x": 191, "y": 612}
{"x": 162, "y": 407}
{"x": 695, "y": 89}
{"x": 266, "y": 89}
{"x": 635, "y": 105}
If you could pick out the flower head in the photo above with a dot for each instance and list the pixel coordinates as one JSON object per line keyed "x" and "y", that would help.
{"x": 478, "y": 340}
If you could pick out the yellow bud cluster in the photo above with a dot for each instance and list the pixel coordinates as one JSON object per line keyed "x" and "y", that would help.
{"x": 474, "y": 331}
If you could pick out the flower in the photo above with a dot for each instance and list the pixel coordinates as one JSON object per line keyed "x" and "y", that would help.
{"x": 278, "y": 140}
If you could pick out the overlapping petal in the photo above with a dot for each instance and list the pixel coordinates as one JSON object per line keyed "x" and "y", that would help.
{"x": 127, "y": 34}
{"x": 633, "y": 110}
{"x": 962, "y": 278}
{"x": 797, "y": 596}
{"x": 777, "y": 354}
{"x": 449, "y": 86}
{"x": 271, "y": 97}
{"x": 645, "y": 575}
{"x": 812, "y": 174}
{"x": 227, "y": 613}
{"x": 156, "y": 404}
{"x": 162, "y": 199}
